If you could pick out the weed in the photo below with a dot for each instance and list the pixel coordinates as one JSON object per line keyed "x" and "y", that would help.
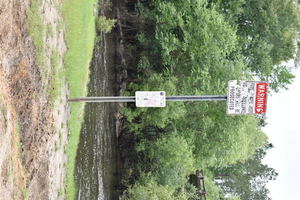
{"x": 105, "y": 25}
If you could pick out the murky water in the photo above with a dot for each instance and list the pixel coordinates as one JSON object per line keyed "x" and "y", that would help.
{"x": 97, "y": 156}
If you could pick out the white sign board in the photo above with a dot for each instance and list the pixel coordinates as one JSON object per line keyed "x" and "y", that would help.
{"x": 150, "y": 99}
{"x": 246, "y": 97}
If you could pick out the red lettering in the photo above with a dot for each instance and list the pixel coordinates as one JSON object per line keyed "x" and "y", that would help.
{"x": 261, "y": 98}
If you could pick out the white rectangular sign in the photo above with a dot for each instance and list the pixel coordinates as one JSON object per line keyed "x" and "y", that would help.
{"x": 150, "y": 99}
{"x": 246, "y": 97}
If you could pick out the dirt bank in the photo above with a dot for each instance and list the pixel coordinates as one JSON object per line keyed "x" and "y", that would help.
{"x": 33, "y": 128}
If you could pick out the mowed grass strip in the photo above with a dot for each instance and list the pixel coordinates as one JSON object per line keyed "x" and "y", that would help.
{"x": 80, "y": 36}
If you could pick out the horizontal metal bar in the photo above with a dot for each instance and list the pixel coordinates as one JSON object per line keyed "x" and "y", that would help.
{"x": 132, "y": 98}
{"x": 197, "y": 98}
{"x": 104, "y": 99}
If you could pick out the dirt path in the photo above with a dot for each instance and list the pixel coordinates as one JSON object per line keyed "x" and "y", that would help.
{"x": 33, "y": 128}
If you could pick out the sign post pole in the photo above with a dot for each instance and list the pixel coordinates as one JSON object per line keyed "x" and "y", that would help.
{"x": 244, "y": 97}
{"x": 133, "y": 98}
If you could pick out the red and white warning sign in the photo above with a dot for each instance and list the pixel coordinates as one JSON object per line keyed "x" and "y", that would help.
{"x": 247, "y": 97}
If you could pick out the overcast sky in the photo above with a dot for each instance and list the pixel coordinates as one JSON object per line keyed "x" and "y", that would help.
{"x": 283, "y": 129}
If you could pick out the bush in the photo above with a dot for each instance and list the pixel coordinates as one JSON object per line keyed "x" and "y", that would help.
{"x": 149, "y": 191}
{"x": 105, "y": 25}
{"x": 173, "y": 161}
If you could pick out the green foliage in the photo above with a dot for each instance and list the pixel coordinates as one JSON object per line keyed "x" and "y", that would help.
{"x": 280, "y": 77}
{"x": 105, "y": 25}
{"x": 186, "y": 193}
{"x": 149, "y": 191}
{"x": 58, "y": 77}
{"x": 188, "y": 36}
{"x": 159, "y": 117}
{"x": 147, "y": 188}
{"x": 223, "y": 140}
{"x": 79, "y": 23}
{"x": 247, "y": 179}
{"x": 172, "y": 161}
{"x": 268, "y": 32}
{"x": 219, "y": 139}
{"x": 213, "y": 192}
{"x": 37, "y": 30}
{"x": 80, "y": 35}
{"x": 233, "y": 198}
{"x": 195, "y": 50}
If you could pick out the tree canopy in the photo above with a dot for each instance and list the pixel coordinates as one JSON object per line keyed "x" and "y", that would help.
{"x": 194, "y": 47}
{"x": 267, "y": 31}
{"x": 248, "y": 179}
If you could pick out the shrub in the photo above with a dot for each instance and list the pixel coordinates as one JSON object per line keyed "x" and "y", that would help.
{"x": 105, "y": 25}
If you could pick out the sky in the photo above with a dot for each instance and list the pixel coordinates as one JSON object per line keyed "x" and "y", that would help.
{"x": 283, "y": 130}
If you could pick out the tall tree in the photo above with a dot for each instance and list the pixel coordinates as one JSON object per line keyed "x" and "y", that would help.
{"x": 247, "y": 179}
{"x": 268, "y": 30}
{"x": 220, "y": 139}
{"x": 171, "y": 160}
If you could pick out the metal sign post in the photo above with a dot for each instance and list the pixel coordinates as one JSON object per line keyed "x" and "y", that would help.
{"x": 244, "y": 97}
{"x": 133, "y": 98}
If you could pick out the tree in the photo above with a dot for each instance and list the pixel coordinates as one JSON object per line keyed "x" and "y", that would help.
{"x": 193, "y": 47}
{"x": 171, "y": 161}
{"x": 187, "y": 37}
{"x": 280, "y": 77}
{"x": 219, "y": 139}
{"x": 268, "y": 30}
{"x": 247, "y": 179}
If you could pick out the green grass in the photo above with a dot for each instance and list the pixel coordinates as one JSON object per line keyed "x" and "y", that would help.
{"x": 37, "y": 29}
{"x": 80, "y": 36}
{"x": 57, "y": 78}
{"x": 38, "y": 32}
{"x": 50, "y": 30}
{"x": 79, "y": 19}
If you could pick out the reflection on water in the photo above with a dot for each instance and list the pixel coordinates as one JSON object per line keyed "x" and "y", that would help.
{"x": 96, "y": 156}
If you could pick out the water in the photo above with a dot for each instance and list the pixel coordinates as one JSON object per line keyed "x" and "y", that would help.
{"x": 97, "y": 152}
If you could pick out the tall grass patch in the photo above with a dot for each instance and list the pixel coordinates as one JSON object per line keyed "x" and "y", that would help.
{"x": 80, "y": 34}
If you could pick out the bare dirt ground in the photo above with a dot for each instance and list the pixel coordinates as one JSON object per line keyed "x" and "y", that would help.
{"x": 33, "y": 126}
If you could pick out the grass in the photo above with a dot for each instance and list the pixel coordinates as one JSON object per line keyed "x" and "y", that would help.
{"x": 80, "y": 36}
{"x": 37, "y": 30}
{"x": 50, "y": 30}
{"x": 57, "y": 78}
{"x": 18, "y": 170}
{"x": 79, "y": 21}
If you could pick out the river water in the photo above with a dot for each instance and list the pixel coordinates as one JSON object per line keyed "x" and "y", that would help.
{"x": 96, "y": 166}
